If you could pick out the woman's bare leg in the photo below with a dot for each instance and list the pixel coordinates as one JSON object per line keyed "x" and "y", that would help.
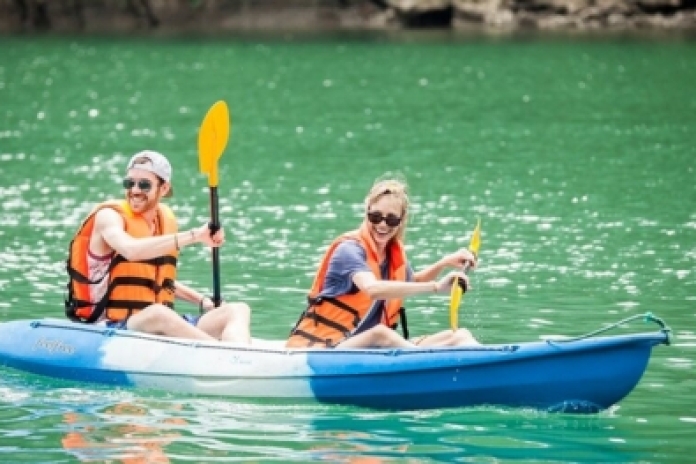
{"x": 460, "y": 337}
{"x": 379, "y": 336}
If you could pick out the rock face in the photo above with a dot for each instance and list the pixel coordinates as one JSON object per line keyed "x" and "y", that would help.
{"x": 575, "y": 14}
{"x": 212, "y": 16}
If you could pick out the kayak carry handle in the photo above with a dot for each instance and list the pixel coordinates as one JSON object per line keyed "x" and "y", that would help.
{"x": 664, "y": 328}
{"x": 647, "y": 317}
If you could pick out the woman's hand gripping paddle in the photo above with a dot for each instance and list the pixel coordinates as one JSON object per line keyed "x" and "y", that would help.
{"x": 457, "y": 289}
{"x": 212, "y": 140}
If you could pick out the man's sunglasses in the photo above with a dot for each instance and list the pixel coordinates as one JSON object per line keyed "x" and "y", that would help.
{"x": 143, "y": 184}
{"x": 376, "y": 217}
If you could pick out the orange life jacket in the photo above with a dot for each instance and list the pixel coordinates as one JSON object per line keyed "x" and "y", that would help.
{"x": 328, "y": 321}
{"x": 133, "y": 285}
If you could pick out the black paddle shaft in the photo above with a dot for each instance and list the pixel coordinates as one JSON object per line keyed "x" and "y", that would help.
{"x": 214, "y": 227}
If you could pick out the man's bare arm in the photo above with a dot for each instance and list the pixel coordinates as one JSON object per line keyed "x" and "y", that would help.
{"x": 110, "y": 226}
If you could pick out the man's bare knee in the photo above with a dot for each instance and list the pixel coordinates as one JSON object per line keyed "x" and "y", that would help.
{"x": 231, "y": 312}
{"x": 241, "y": 309}
{"x": 157, "y": 311}
{"x": 152, "y": 317}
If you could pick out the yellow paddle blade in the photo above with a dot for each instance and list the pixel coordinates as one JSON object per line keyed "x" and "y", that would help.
{"x": 457, "y": 293}
{"x": 475, "y": 242}
{"x": 212, "y": 140}
{"x": 455, "y": 299}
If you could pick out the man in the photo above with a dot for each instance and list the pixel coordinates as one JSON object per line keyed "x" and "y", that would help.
{"x": 122, "y": 264}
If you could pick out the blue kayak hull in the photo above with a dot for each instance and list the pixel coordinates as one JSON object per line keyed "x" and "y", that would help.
{"x": 585, "y": 375}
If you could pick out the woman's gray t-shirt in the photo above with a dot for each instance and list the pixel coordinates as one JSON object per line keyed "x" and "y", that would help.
{"x": 349, "y": 258}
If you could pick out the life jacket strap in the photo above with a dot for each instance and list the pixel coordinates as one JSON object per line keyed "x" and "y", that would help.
{"x": 129, "y": 305}
{"x": 73, "y": 304}
{"x": 339, "y": 304}
{"x": 135, "y": 282}
{"x": 313, "y": 339}
{"x": 160, "y": 261}
{"x": 319, "y": 319}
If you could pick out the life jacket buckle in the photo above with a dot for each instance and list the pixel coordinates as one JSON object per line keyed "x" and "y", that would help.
{"x": 167, "y": 284}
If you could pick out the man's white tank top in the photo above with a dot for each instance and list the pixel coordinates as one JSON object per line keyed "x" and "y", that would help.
{"x": 98, "y": 267}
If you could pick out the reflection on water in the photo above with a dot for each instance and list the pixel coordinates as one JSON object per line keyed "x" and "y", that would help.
{"x": 124, "y": 432}
{"x": 120, "y": 426}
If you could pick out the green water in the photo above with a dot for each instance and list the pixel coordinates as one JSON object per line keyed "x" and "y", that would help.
{"x": 578, "y": 156}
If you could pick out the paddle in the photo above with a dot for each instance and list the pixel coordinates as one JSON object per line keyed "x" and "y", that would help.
{"x": 212, "y": 139}
{"x": 457, "y": 290}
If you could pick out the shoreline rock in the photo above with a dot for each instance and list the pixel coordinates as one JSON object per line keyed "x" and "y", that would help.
{"x": 269, "y": 16}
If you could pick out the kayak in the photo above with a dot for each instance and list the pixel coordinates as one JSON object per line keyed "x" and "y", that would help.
{"x": 583, "y": 374}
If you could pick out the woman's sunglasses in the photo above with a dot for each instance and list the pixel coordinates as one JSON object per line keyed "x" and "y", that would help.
{"x": 376, "y": 217}
{"x": 143, "y": 184}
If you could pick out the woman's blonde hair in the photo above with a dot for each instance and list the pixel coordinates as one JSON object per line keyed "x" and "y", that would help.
{"x": 392, "y": 184}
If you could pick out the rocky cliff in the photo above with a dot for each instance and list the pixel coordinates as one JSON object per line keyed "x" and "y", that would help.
{"x": 211, "y": 16}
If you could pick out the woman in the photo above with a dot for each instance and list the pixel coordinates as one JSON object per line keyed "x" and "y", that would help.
{"x": 355, "y": 301}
